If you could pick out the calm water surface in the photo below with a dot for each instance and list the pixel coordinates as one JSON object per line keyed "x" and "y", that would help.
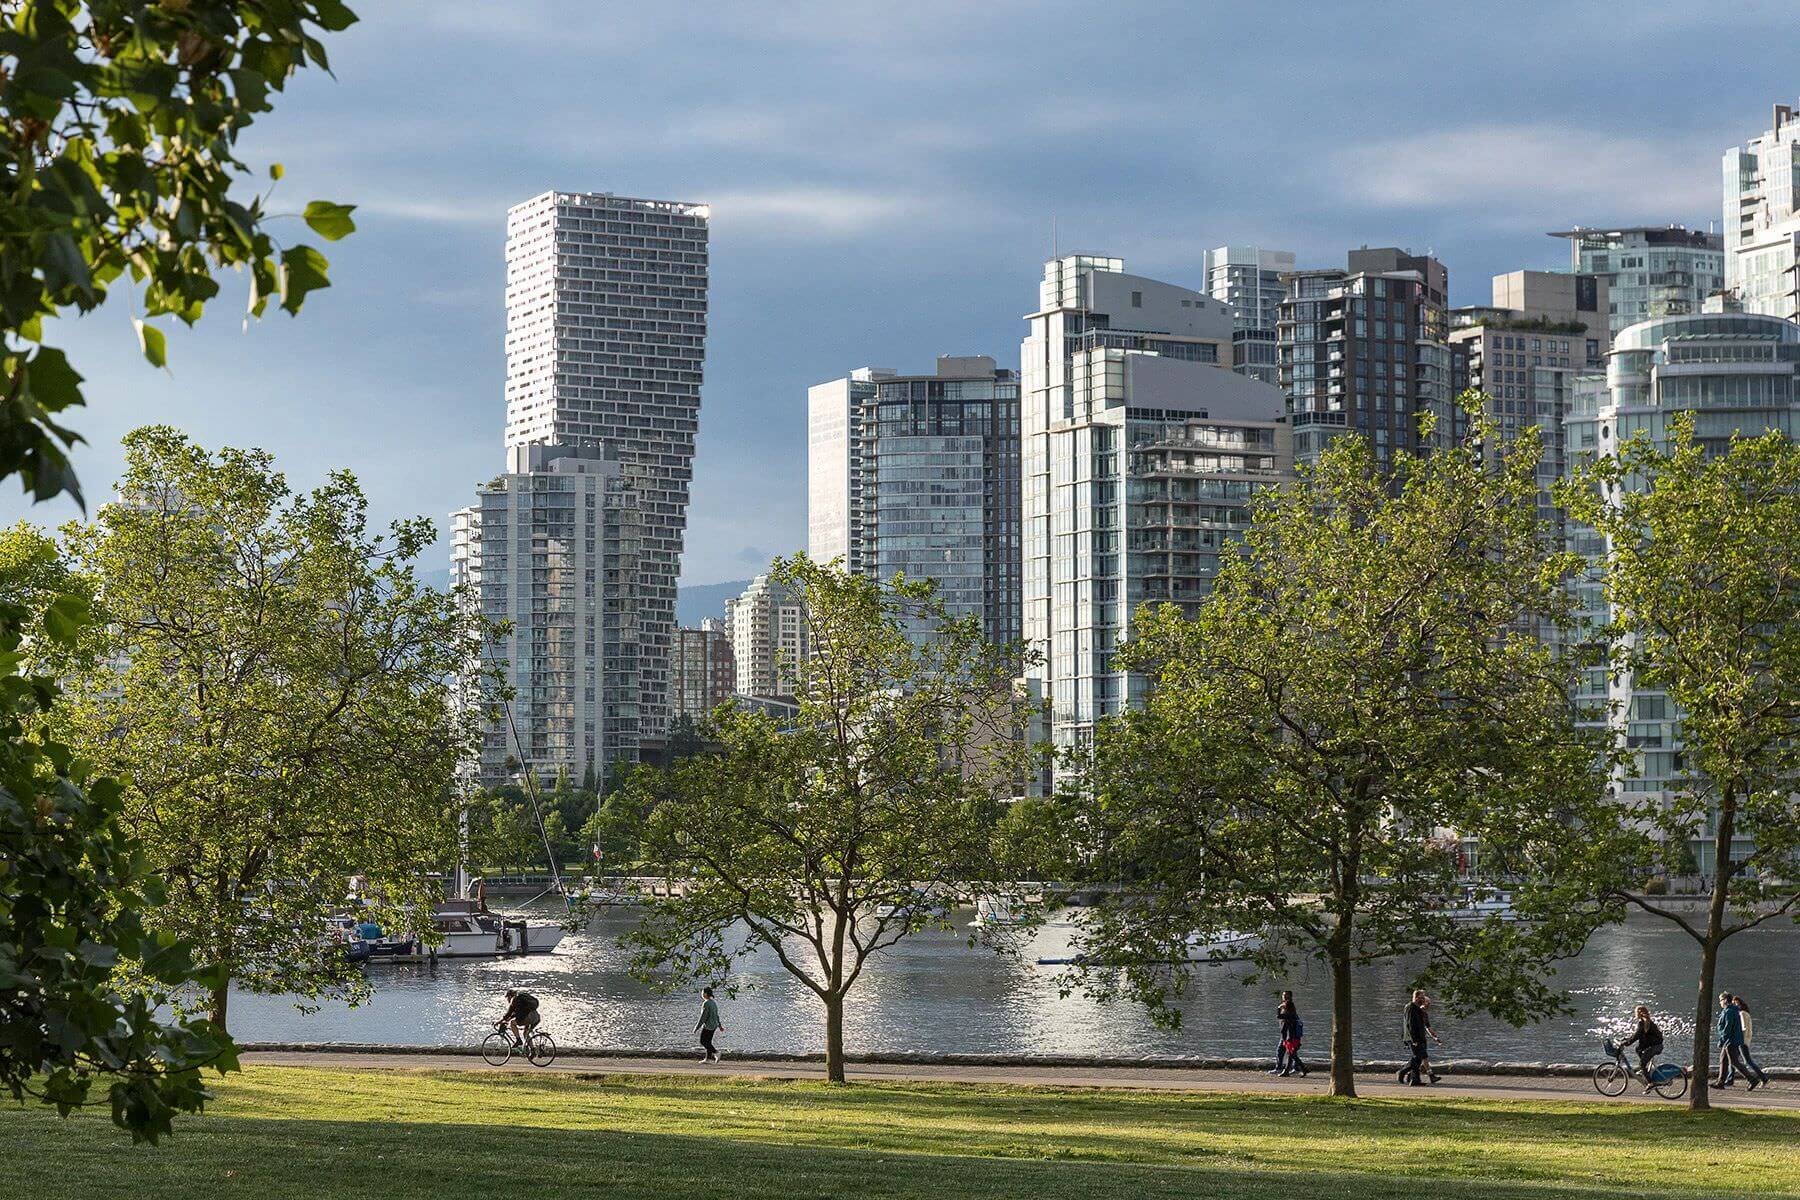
{"x": 933, "y": 993}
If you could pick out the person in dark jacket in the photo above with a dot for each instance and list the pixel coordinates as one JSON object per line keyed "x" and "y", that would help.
{"x": 1648, "y": 1038}
{"x": 1731, "y": 1044}
{"x": 1416, "y": 1029}
{"x": 1287, "y": 1055}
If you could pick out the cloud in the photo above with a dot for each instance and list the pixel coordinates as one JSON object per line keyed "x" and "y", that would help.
{"x": 1529, "y": 170}
{"x": 826, "y": 209}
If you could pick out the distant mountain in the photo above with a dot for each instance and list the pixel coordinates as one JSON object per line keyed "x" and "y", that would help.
{"x": 439, "y": 579}
{"x": 694, "y": 604}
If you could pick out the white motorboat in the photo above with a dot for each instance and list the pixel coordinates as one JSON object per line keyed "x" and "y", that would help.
{"x": 1482, "y": 903}
{"x": 1223, "y": 946}
{"x": 469, "y": 931}
{"x": 991, "y": 911}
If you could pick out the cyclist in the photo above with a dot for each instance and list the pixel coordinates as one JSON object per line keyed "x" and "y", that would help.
{"x": 1649, "y": 1041}
{"x": 521, "y": 1015}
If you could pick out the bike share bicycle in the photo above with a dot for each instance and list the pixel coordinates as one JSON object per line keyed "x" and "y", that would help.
{"x": 1612, "y": 1078}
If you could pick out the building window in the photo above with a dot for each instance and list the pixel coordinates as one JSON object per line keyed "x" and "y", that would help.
{"x": 1137, "y": 299}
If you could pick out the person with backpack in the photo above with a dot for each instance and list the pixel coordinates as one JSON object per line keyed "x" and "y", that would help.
{"x": 1415, "y": 1029}
{"x": 1287, "y": 1055}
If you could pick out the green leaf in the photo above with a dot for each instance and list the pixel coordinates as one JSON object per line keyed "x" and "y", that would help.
{"x": 64, "y": 267}
{"x": 302, "y": 271}
{"x": 275, "y": 171}
{"x": 65, "y": 617}
{"x": 152, "y": 342}
{"x": 330, "y": 221}
{"x": 54, "y": 384}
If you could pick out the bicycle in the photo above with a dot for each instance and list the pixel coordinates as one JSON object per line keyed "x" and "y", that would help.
{"x": 497, "y": 1048}
{"x": 1612, "y": 1078}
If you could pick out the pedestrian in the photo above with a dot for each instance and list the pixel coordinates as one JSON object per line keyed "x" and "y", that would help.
{"x": 708, "y": 1025}
{"x": 1755, "y": 1068}
{"x": 1416, "y": 1029}
{"x": 1731, "y": 1044}
{"x": 1287, "y": 1055}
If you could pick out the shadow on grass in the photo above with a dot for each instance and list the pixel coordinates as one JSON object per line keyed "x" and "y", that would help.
{"x": 213, "y": 1158}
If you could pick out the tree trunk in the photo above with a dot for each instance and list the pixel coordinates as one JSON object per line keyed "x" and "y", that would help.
{"x": 221, "y": 1001}
{"x": 1343, "y": 1057}
{"x": 834, "y": 1038}
{"x": 1698, "y": 1098}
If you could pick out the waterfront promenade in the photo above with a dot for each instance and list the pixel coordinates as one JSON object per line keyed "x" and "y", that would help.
{"x": 1483, "y": 1081}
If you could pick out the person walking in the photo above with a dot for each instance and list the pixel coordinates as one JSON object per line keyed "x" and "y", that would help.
{"x": 1731, "y": 1044}
{"x": 708, "y": 1025}
{"x": 1416, "y": 1029}
{"x": 1760, "y": 1077}
{"x": 1287, "y": 1055}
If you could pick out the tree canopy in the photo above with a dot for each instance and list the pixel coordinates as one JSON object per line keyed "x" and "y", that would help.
{"x": 1363, "y": 689}
{"x": 826, "y": 839}
{"x": 276, "y": 689}
{"x": 1702, "y": 580}
{"x": 121, "y": 124}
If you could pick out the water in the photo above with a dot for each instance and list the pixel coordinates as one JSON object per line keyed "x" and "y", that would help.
{"x": 934, "y": 994}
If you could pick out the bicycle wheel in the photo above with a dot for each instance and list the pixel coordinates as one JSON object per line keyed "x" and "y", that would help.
{"x": 1610, "y": 1079}
{"x": 1673, "y": 1089}
{"x": 541, "y": 1050}
{"x": 496, "y": 1049}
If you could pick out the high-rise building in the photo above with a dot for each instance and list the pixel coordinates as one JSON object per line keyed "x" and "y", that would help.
{"x": 547, "y": 547}
{"x": 1141, "y": 451}
{"x": 605, "y": 339}
{"x": 834, "y": 470}
{"x": 1650, "y": 270}
{"x": 768, "y": 639}
{"x": 1248, "y": 278}
{"x": 1736, "y": 373}
{"x": 1524, "y": 352}
{"x": 1762, "y": 218}
{"x": 1363, "y": 350}
{"x": 705, "y": 671}
{"x": 923, "y": 482}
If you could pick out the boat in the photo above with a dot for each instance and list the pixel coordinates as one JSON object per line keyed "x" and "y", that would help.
{"x": 993, "y": 912}
{"x": 465, "y": 929}
{"x": 1480, "y": 902}
{"x": 1224, "y": 946}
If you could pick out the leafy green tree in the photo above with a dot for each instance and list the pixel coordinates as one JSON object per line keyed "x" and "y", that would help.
{"x": 279, "y": 701}
{"x": 120, "y": 122}
{"x": 613, "y": 831}
{"x": 501, "y": 832}
{"x": 1363, "y": 684}
{"x": 817, "y": 841}
{"x": 73, "y": 888}
{"x": 1703, "y": 583}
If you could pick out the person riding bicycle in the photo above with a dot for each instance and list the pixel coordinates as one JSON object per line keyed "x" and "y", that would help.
{"x": 1648, "y": 1038}
{"x": 521, "y": 1015}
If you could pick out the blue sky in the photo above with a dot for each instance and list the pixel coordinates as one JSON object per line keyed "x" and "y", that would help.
{"x": 883, "y": 180}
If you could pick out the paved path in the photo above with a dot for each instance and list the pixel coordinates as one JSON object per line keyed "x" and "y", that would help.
{"x": 1784, "y": 1093}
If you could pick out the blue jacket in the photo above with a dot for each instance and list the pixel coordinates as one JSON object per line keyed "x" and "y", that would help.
{"x": 1731, "y": 1026}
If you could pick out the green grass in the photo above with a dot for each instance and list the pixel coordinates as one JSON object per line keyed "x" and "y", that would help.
{"x": 276, "y": 1132}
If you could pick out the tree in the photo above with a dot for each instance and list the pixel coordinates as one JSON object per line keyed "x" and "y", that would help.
{"x": 1363, "y": 686}
{"x": 612, "y": 831}
{"x": 73, "y": 888}
{"x": 279, "y": 700}
{"x": 501, "y": 832}
{"x": 825, "y": 841}
{"x": 120, "y": 123}
{"x": 1703, "y": 586}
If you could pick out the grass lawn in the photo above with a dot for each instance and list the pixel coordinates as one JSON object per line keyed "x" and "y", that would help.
{"x": 277, "y": 1132}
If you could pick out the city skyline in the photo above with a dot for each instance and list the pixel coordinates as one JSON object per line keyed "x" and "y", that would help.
{"x": 837, "y": 237}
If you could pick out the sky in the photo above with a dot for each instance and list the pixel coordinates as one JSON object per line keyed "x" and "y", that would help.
{"x": 884, "y": 180}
